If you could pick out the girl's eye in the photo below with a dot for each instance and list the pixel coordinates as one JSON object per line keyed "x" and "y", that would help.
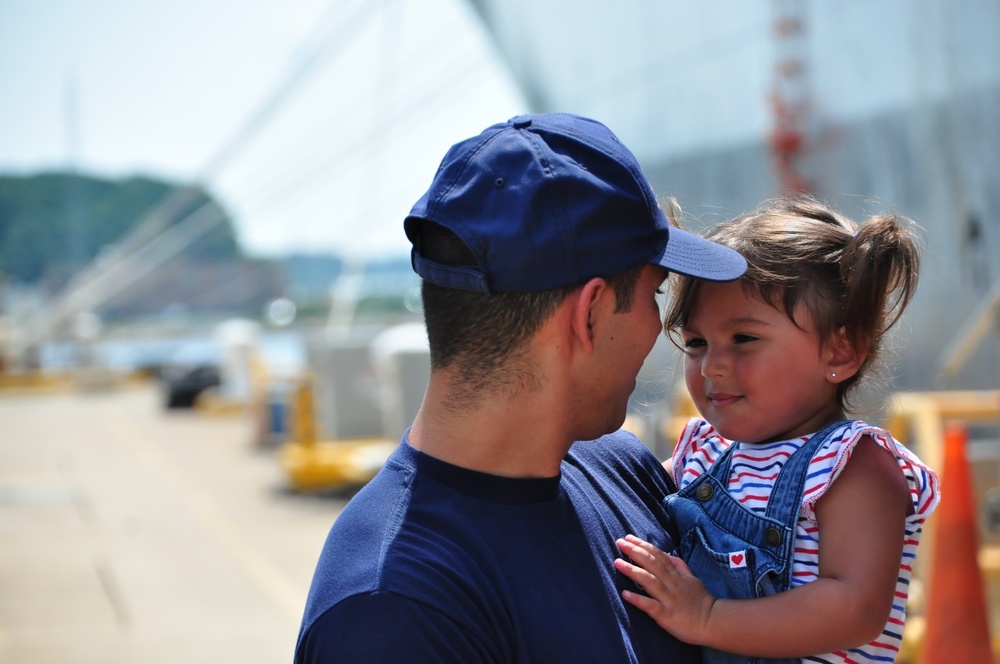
{"x": 693, "y": 343}
{"x": 744, "y": 338}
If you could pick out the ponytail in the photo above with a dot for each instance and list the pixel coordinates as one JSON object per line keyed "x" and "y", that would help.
{"x": 879, "y": 268}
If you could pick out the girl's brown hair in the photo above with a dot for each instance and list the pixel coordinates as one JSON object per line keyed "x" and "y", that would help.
{"x": 856, "y": 277}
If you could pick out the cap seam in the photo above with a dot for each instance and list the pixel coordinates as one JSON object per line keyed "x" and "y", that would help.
{"x": 606, "y": 148}
{"x": 565, "y": 243}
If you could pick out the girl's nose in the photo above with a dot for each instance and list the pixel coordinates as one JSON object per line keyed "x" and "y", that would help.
{"x": 714, "y": 364}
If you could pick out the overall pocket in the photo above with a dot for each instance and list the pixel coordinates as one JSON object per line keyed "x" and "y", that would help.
{"x": 726, "y": 565}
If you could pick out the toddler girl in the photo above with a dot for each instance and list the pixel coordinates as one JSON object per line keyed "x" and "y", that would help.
{"x": 797, "y": 527}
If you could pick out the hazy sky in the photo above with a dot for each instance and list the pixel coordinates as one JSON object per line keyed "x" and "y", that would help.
{"x": 316, "y": 123}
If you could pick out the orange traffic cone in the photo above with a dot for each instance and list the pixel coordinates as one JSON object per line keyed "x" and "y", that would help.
{"x": 957, "y": 627}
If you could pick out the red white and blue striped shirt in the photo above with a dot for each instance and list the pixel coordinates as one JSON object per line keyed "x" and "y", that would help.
{"x": 753, "y": 471}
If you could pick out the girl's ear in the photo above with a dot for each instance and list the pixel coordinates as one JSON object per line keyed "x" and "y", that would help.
{"x": 843, "y": 357}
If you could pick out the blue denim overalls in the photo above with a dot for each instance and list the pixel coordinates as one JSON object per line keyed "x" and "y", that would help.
{"x": 735, "y": 552}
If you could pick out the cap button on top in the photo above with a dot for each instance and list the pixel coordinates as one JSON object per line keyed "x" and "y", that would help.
{"x": 704, "y": 492}
{"x": 521, "y": 121}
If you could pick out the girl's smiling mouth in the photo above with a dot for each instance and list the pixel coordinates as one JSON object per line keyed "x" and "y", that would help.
{"x": 722, "y": 399}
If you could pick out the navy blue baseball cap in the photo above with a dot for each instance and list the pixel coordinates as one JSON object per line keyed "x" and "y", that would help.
{"x": 551, "y": 200}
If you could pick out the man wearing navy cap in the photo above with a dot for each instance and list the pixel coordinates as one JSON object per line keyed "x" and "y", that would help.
{"x": 489, "y": 535}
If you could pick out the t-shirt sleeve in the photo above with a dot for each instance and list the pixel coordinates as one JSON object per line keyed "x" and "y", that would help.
{"x": 385, "y": 627}
{"x": 829, "y": 461}
{"x": 697, "y": 449}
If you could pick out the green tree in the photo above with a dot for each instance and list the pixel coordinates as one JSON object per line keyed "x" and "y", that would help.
{"x": 51, "y": 224}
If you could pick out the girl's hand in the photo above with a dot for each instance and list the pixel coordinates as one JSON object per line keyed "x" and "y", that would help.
{"x": 677, "y": 600}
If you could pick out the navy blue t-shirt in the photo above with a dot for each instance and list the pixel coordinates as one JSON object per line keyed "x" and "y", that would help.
{"x": 432, "y": 562}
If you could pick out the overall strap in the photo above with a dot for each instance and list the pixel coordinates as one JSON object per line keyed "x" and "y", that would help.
{"x": 720, "y": 469}
{"x": 786, "y": 496}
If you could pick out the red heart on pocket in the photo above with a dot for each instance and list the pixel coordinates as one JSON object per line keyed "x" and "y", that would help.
{"x": 737, "y": 558}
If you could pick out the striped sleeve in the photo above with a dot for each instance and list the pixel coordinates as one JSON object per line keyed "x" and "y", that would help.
{"x": 697, "y": 449}
{"x": 829, "y": 462}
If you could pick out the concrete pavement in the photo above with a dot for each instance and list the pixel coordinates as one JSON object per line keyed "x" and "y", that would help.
{"x": 131, "y": 534}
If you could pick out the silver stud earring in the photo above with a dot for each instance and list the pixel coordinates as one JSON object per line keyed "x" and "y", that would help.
{"x": 833, "y": 375}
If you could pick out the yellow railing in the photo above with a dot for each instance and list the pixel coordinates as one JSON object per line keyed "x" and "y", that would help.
{"x": 312, "y": 464}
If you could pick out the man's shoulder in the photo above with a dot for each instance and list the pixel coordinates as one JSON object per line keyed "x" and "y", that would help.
{"x": 353, "y": 556}
{"x": 619, "y": 446}
{"x": 618, "y": 458}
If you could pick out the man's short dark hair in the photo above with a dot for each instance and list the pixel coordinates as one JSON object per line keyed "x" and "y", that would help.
{"x": 480, "y": 332}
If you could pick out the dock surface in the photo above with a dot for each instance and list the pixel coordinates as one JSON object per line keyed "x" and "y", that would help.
{"x": 130, "y": 533}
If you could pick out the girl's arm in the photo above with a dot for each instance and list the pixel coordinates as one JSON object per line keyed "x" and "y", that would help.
{"x": 861, "y": 521}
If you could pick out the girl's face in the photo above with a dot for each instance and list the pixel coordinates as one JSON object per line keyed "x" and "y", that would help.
{"x": 753, "y": 374}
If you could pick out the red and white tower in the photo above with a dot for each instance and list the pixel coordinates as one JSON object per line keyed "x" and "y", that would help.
{"x": 790, "y": 96}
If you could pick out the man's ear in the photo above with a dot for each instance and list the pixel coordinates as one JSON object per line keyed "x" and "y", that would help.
{"x": 585, "y": 311}
{"x": 843, "y": 356}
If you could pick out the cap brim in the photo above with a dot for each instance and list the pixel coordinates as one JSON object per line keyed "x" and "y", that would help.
{"x": 694, "y": 256}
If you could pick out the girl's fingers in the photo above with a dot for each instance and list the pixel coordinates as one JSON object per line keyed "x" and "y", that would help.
{"x": 649, "y": 605}
{"x": 679, "y": 565}
{"x": 638, "y": 541}
{"x": 658, "y": 586}
{"x": 638, "y": 575}
{"x": 646, "y": 555}
{"x": 652, "y": 603}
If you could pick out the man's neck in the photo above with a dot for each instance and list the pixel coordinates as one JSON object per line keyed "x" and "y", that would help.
{"x": 523, "y": 435}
